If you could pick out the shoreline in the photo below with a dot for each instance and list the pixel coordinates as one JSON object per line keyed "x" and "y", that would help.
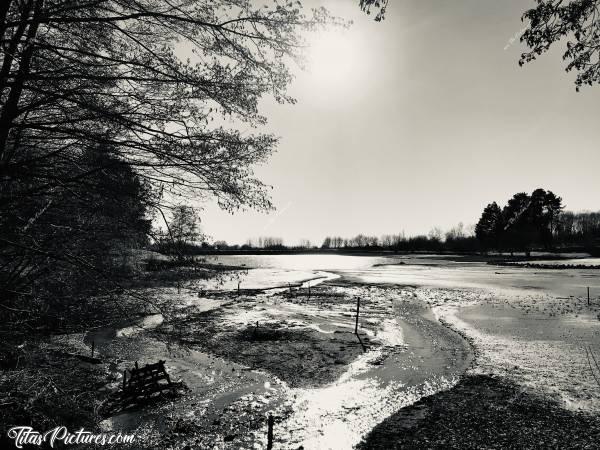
{"x": 292, "y": 353}
{"x": 500, "y": 402}
{"x": 417, "y": 356}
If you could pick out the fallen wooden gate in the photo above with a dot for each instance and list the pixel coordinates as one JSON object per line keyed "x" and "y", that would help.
{"x": 143, "y": 382}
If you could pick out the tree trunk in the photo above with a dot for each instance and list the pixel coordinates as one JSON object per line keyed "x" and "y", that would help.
{"x": 10, "y": 109}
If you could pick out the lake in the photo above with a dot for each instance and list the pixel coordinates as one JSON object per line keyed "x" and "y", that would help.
{"x": 442, "y": 271}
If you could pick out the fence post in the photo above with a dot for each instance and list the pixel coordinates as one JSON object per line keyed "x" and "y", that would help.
{"x": 588, "y": 289}
{"x": 124, "y": 378}
{"x": 238, "y": 288}
{"x": 357, "y": 313}
{"x": 270, "y": 423}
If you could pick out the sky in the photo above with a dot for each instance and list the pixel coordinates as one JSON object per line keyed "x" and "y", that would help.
{"x": 417, "y": 122}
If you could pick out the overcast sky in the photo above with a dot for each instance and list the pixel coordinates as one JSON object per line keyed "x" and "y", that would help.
{"x": 420, "y": 121}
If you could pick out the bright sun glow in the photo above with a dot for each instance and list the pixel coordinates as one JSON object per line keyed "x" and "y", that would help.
{"x": 337, "y": 63}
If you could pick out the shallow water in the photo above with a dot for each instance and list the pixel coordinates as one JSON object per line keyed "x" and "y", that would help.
{"x": 541, "y": 351}
{"x": 421, "y": 357}
{"x": 416, "y": 356}
{"x": 445, "y": 271}
{"x": 568, "y": 282}
{"x": 308, "y": 262}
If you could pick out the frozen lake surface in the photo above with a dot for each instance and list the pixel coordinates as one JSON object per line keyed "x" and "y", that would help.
{"x": 442, "y": 271}
{"x": 402, "y": 298}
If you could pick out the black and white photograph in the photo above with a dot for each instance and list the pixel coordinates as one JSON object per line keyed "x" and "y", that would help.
{"x": 299, "y": 225}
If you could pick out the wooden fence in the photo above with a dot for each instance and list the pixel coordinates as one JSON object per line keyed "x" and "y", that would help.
{"x": 143, "y": 382}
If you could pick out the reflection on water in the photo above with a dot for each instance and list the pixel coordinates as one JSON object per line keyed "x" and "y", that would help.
{"x": 267, "y": 278}
{"x": 339, "y": 414}
{"x": 565, "y": 283}
{"x": 310, "y": 262}
{"x": 444, "y": 271}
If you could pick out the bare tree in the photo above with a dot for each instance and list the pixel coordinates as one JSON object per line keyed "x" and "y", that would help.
{"x": 160, "y": 89}
{"x": 578, "y": 21}
{"x": 75, "y": 74}
{"x": 305, "y": 243}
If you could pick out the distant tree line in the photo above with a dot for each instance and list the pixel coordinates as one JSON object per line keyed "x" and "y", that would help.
{"x": 457, "y": 239}
{"x": 579, "y": 229}
{"x": 536, "y": 221}
{"x": 265, "y": 242}
{"x": 526, "y": 222}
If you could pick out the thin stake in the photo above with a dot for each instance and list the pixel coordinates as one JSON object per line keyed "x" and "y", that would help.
{"x": 357, "y": 313}
{"x": 124, "y": 378}
{"x": 588, "y": 289}
{"x": 270, "y": 423}
{"x": 238, "y": 288}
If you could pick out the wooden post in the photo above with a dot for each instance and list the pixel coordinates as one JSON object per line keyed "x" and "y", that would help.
{"x": 124, "y": 378}
{"x": 270, "y": 423}
{"x": 136, "y": 366}
{"x": 357, "y": 313}
{"x": 309, "y": 289}
{"x": 93, "y": 345}
{"x": 238, "y": 288}
{"x": 588, "y": 289}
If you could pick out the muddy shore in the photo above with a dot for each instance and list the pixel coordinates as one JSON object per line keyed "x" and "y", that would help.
{"x": 293, "y": 355}
{"x": 430, "y": 368}
{"x": 530, "y": 386}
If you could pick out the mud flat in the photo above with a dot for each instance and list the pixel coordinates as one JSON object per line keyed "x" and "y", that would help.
{"x": 531, "y": 384}
{"x": 287, "y": 353}
{"x": 447, "y": 356}
{"x": 479, "y": 358}
{"x": 410, "y": 355}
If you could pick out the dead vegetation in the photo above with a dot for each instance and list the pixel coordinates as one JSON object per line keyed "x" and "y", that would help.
{"x": 36, "y": 392}
{"x": 296, "y": 354}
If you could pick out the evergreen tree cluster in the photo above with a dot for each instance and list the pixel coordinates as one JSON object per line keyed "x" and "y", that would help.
{"x": 525, "y": 222}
